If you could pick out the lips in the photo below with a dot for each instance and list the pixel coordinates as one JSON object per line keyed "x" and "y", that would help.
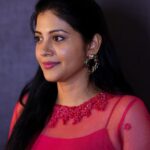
{"x": 49, "y": 64}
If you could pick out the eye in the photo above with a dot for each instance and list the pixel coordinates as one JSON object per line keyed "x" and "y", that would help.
{"x": 37, "y": 39}
{"x": 58, "y": 38}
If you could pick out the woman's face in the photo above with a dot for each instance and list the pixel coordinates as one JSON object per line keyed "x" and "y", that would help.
{"x": 60, "y": 50}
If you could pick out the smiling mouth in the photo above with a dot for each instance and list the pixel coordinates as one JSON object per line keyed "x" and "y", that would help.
{"x": 49, "y": 65}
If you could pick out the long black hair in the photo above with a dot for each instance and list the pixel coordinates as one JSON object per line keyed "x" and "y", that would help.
{"x": 86, "y": 17}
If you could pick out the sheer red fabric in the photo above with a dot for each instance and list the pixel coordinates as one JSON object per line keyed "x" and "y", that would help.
{"x": 101, "y": 124}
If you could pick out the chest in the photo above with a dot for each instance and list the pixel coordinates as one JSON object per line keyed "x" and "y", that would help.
{"x": 98, "y": 140}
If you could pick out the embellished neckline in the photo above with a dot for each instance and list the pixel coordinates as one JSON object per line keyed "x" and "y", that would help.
{"x": 76, "y": 113}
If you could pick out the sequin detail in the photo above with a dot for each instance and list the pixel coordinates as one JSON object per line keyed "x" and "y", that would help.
{"x": 127, "y": 126}
{"x": 76, "y": 113}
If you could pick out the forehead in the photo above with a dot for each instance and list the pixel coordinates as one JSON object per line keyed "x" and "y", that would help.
{"x": 48, "y": 20}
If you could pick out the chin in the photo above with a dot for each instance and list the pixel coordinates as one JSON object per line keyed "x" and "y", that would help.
{"x": 50, "y": 79}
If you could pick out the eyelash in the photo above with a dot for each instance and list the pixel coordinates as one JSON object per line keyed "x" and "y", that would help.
{"x": 56, "y": 38}
{"x": 37, "y": 39}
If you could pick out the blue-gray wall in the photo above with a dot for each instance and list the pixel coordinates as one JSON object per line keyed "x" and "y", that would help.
{"x": 128, "y": 22}
{"x": 17, "y": 63}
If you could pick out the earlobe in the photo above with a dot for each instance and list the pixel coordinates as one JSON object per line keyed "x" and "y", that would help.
{"x": 95, "y": 44}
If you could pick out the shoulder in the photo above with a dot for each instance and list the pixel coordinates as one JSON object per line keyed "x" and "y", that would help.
{"x": 134, "y": 124}
{"x": 131, "y": 108}
{"x": 18, "y": 109}
{"x": 126, "y": 99}
{"x": 20, "y": 106}
{"x": 134, "y": 105}
{"x": 16, "y": 114}
{"x": 129, "y": 103}
{"x": 130, "y": 122}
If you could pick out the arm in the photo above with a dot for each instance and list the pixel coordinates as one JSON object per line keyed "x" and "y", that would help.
{"x": 135, "y": 129}
{"x": 16, "y": 114}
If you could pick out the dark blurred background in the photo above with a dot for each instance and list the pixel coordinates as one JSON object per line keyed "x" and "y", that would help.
{"x": 129, "y": 26}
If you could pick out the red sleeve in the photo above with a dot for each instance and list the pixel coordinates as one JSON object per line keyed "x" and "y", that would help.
{"x": 16, "y": 113}
{"x": 135, "y": 126}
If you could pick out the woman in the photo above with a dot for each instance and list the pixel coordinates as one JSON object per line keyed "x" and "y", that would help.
{"x": 78, "y": 98}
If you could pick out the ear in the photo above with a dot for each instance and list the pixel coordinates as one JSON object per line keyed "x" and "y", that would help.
{"x": 94, "y": 45}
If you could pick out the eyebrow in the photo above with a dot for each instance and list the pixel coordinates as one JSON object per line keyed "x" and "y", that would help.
{"x": 52, "y": 31}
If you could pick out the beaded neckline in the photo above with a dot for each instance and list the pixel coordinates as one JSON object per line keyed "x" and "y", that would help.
{"x": 76, "y": 113}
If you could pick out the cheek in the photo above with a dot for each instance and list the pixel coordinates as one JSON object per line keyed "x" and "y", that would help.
{"x": 72, "y": 57}
{"x": 37, "y": 55}
{"x": 64, "y": 54}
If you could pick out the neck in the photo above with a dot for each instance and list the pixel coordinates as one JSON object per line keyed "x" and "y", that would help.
{"x": 75, "y": 91}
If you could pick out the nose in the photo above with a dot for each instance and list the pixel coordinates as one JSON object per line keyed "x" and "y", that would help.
{"x": 47, "y": 49}
{"x": 47, "y": 52}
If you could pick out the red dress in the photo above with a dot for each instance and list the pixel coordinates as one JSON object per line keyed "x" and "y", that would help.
{"x": 89, "y": 126}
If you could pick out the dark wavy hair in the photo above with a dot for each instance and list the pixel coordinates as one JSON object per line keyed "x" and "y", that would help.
{"x": 86, "y": 17}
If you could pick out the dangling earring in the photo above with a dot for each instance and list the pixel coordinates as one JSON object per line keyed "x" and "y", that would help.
{"x": 92, "y": 62}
